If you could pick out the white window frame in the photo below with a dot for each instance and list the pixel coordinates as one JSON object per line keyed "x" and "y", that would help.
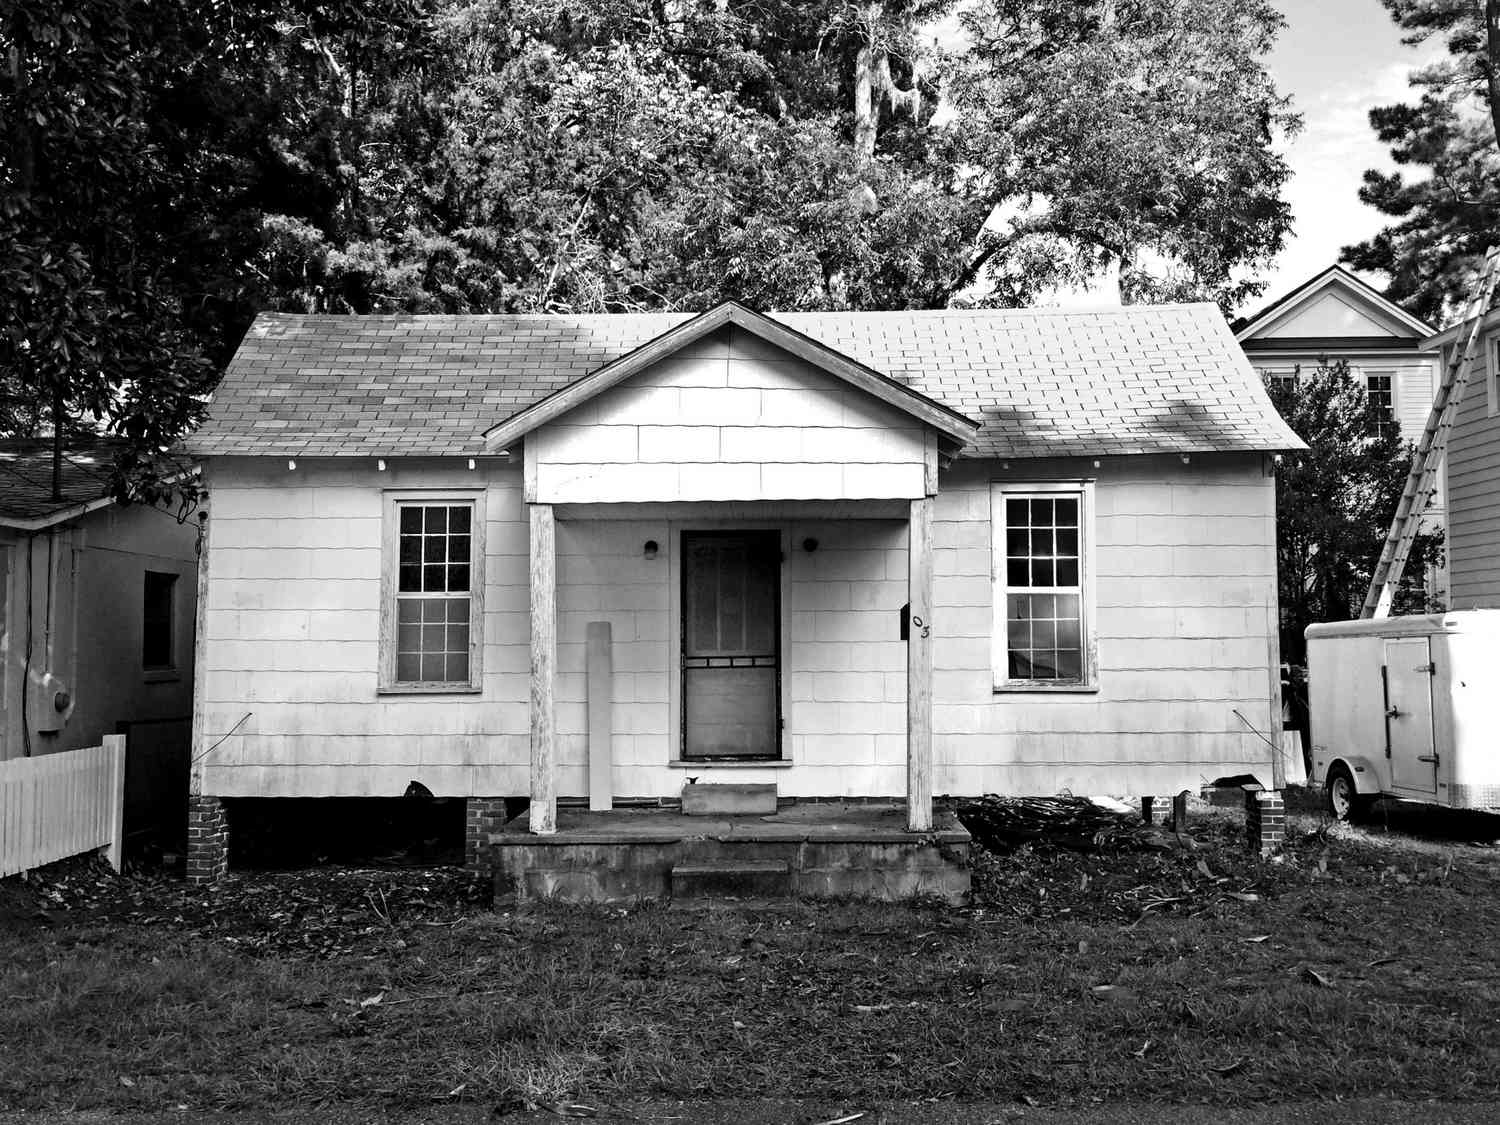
{"x": 394, "y": 501}
{"x": 1083, "y": 490}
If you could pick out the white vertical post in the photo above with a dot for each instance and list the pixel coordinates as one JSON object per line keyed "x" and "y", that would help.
{"x": 543, "y": 578}
{"x": 114, "y": 750}
{"x": 919, "y": 668}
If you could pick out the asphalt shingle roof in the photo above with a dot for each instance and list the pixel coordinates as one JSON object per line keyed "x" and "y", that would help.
{"x": 26, "y": 477}
{"x": 1140, "y": 379}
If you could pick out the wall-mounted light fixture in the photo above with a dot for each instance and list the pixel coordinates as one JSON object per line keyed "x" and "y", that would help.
{"x": 809, "y": 544}
{"x": 650, "y": 549}
{"x": 291, "y": 466}
{"x": 380, "y": 464}
{"x": 1186, "y": 460}
{"x": 471, "y": 464}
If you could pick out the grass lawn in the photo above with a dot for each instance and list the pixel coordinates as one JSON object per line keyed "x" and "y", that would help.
{"x": 1363, "y": 964}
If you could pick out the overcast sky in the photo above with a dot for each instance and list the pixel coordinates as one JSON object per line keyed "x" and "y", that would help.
{"x": 1337, "y": 59}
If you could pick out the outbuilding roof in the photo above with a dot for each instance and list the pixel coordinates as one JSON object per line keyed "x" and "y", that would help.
{"x": 26, "y": 498}
{"x": 1139, "y": 379}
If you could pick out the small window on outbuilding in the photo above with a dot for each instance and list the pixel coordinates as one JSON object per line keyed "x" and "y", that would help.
{"x": 157, "y": 621}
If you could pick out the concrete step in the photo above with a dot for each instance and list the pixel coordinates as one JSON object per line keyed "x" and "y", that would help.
{"x": 732, "y": 879}
{"x": 725, "y": 798}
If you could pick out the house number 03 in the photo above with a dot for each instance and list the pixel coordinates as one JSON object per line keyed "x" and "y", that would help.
{"x": 922, "y": 625}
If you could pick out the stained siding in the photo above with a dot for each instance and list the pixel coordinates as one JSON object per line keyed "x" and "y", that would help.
{"x": 292, "y": 633}
{"x": 1185, "y": 576}
{"x": 1185, "y": 587}
{"x": 729, "y": 418}
{"x": 1474, "y": 492}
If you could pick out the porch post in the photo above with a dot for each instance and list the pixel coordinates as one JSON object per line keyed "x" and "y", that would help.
{"x": 919, "y": 668}
{"x": 543, "y": 579}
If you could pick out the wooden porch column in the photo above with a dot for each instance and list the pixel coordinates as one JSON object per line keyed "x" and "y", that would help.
{"x": 543, "y": 579}
{"x": 919, "y": 668}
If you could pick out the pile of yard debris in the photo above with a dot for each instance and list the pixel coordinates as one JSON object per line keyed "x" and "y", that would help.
{"x": 1077, "y": 823}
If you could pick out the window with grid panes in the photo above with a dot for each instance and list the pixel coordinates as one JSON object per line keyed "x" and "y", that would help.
{"x": 1378, "y": 389}
{"x": 434, "y": 596}
{"x": 1040, "y": 581}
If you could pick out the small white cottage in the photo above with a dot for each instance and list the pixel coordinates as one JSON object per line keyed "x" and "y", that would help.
{"x": 886, "y": 554}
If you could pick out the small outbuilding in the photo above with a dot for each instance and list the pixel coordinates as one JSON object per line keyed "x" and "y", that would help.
{"x": 844, "y": 555}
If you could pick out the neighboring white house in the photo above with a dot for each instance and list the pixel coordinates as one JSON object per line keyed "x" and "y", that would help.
{"x": 96, "y": 619}
{"x": 1333, "y": 316}
{"x": 1472, "y": 472}
{"x": 850, "y": 554}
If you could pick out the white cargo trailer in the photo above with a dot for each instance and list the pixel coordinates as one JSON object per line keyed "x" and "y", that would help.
{"x": 1406, "y": 707}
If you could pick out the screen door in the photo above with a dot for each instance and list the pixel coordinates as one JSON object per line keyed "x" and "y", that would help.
{"x": 731, "y": 644}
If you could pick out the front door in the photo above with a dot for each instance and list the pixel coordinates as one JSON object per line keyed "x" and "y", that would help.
{"x": 1408, "y": 716}
{"x": 731, "y": 644}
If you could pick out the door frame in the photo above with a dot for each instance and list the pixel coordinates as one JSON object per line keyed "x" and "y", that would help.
{"x": 1414, "y": 792}
{"x": 675, "y": 529}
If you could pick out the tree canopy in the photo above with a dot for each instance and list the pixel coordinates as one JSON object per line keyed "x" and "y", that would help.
{"x": 1444, "y": 218}
{"x": 176, "y": 165}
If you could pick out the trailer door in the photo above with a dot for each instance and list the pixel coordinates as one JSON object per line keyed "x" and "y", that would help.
{"x": 1408, "y": 717}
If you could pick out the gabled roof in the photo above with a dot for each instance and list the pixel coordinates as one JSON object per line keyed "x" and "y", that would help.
{"x": 1402, "y": 325}
{"x": 26, "y": 499}
{"x": 902, "y": 397}
{"x": 1040, "y": 382}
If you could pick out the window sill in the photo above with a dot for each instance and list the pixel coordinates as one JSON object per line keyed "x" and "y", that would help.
{"x": 1027, "y": 688}
{"x": 428, "y": 689}
{"x": 161, "y": 676}
{"x": 730, "y": 764}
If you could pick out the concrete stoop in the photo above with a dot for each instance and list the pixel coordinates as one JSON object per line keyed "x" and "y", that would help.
{"x": 630, "y": 855}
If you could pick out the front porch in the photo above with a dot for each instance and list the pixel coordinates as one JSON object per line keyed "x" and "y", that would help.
{"x": 809, "y": 849}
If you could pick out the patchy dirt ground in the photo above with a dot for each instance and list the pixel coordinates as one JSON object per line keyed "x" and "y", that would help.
{"x": 1361, "y": 964}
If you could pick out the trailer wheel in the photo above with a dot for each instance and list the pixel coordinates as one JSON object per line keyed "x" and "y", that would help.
{"x": 1341, "y": 796}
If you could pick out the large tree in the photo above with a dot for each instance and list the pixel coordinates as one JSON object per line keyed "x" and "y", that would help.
{"x": 175, "y": 165}
{"x": 1447, "y": 215}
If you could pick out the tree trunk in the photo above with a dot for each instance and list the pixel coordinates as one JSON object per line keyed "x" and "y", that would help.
{"x": 866, "y": 114}
{"x": 1492, "y": 61}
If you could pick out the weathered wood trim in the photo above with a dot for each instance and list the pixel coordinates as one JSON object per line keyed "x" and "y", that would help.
{"x": 711, "y": 513}
{"x": 919, "y": 668}
{"x": 601, "y": 694}
{"x": 391, "y": 499}
{"x": 199, "y": 740}
{"x": 543, "y": 581}
{"x": 832, "y": 362}
{"x": 930, "y": 462}
{"x": 529, "y": 458}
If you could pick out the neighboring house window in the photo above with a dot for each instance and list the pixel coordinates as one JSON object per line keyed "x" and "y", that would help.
{"x": 431, "y": 608}
{"x": 157, "y": 621}
{"x": 1279, "y": 380}
{"x": 1378, "y": 388}
{"x": 1042, "y": 569}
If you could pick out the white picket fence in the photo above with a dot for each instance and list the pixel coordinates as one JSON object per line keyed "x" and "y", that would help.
{"x": 56, "y": 805}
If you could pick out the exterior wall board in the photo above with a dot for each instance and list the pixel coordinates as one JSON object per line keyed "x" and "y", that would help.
{"x": 729, "y": 418}
{"x": 1473, "y": 474}
{"x": 1185, "y": 584}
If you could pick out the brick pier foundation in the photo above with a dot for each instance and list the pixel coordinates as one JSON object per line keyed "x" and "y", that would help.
{"x": 208, "y": 840}
{"x": 482, "y": 816}
{"x": 1265, "y": 821}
